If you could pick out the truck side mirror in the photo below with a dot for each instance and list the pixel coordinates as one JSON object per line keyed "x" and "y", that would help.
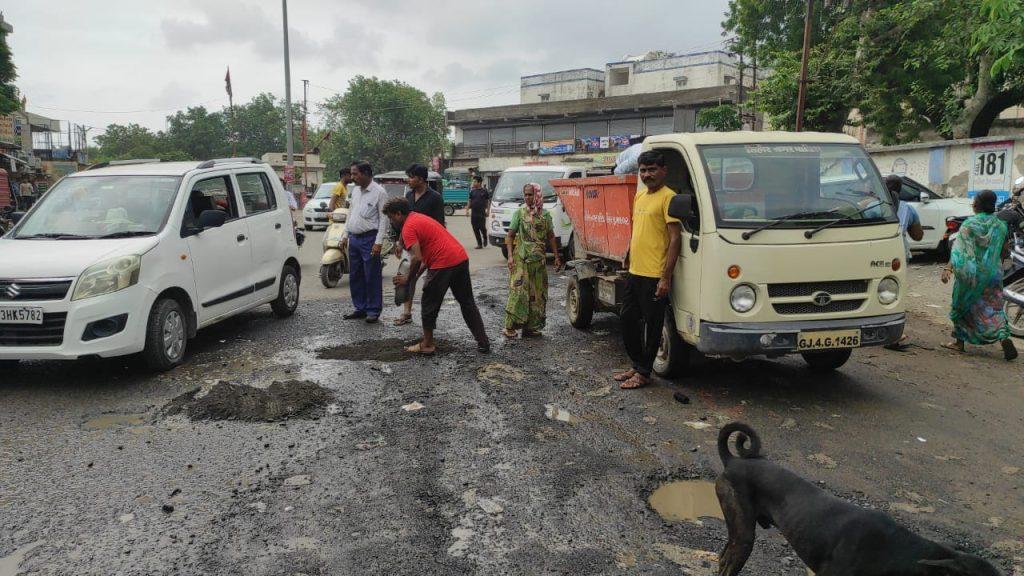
{"x": 681, "y": 207}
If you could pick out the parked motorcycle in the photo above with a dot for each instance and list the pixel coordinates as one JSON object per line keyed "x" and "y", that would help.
{"x": 1013, "y": 278}
{"x": 334, "y": 262}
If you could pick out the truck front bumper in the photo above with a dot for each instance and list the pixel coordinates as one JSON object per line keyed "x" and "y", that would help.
{"x": 738, "y": 340}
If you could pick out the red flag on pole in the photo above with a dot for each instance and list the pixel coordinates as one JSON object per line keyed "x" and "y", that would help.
{"x": 227, "y": 82}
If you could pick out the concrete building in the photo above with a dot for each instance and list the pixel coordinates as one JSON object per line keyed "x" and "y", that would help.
{"x": 644, "y": 74}
{"x": 314, "y": 168}
{"x": 588, "y": 132}
{"x": 578, "y": 84}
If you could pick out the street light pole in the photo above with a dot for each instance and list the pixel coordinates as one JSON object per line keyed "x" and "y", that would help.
{"x": 290, "y": 167}
{"x": 801, "y": 100}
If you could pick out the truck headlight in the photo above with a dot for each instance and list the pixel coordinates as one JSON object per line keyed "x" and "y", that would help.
{"x": 888, "y": 291}
{"x": 108, "y": 276}
{"x": 743, "y": 298}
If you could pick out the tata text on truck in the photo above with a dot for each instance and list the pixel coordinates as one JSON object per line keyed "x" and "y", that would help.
{"x": 508, "y": 197}
{"x": 776, "y": 258}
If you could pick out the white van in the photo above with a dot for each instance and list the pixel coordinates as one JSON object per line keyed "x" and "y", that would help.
{"x": 508, "y": 197}
{"x": 136, "y": 256}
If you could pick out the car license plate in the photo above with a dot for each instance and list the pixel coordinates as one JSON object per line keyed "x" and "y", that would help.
{"x": 23, "y": 315}
{"x": 828, "y": 340}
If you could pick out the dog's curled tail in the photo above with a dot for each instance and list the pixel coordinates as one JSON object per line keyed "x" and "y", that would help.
{"x": 748, "y": 444}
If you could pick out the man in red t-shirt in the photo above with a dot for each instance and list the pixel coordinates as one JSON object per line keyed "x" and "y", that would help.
{"x": 436, "y": 250}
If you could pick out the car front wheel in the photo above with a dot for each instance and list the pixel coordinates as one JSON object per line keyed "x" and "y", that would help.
{"x": 166, "y": 335}
{"x": 287, "y": 294}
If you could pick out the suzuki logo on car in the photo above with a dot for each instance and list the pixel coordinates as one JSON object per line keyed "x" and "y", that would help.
{"x": 13, "y": 291}
{"x": 821, "y": 299}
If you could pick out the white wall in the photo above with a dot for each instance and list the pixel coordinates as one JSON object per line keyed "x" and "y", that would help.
{"x": 560, "y": 91}
{"x": 700, "y": 70}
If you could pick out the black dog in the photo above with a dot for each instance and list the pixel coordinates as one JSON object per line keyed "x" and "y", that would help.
{"x": 831, "y": 536}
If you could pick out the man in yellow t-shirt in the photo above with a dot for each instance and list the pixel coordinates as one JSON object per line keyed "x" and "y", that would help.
{"x": 340, "y": 192}
{"x": 653, "y": 252}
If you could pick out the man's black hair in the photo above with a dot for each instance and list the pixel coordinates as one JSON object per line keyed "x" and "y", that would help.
{"x": 363, "y": 167}
{"x": 397, "y": 206}
{"x": 652, "y": 157}
{"x": 894, "y": 183}
{"x": 344, "y": 172}
{"x": 417, "y": 170}
{"x": 479, "y": 179}
{"x": 986, "y": 201}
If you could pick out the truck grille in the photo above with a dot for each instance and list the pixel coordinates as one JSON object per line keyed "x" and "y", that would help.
{"x": 28, "y": 291}
{"x": 812, "y": 308}
{"x": 49, "y": 333}
{"x": 797, "y": 289}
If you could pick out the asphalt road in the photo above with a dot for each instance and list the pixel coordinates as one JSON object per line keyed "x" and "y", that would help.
{"x": 524, "y": 461}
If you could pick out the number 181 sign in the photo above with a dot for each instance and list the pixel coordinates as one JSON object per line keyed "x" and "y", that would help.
{"x": 991, "y": 169}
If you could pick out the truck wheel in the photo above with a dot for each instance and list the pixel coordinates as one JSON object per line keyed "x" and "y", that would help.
{"x": 449, "y": 210}
{"x": 1015, "y": 313}
{"x": 673, "y": 357}
{"x": 579, "y": 302}
{"x": 166, "y": 335}
{"x": 823, "y": 362}
{"x": 287, "y": 294}
{"x": 330, "y": 274}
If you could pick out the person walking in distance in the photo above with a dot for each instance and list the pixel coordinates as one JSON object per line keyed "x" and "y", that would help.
{"x": 653, "y": 252}
{"x": 478, "y": 209}
{"x": 366, "y": 227}
{"x": 910, "y": 225}
{"x": 422, "y": 200}
{"x": 435, "y": 250}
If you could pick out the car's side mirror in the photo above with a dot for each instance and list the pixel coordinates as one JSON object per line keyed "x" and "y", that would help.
{"x": 925, "y": 198}
{"x": 212, "y": 219}
{"x": 681, "y": 207}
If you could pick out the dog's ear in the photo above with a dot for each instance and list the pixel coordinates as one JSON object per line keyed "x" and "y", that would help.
{"x": 944, "y": 566}
{"x": 964, "y": 564}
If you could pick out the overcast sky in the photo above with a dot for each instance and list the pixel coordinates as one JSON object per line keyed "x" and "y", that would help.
{"x": 97, "y": 62}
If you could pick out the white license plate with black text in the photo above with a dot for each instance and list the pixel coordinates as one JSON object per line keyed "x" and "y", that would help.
{"x": 830, "y": 340}
{"x": 21, "y": 315}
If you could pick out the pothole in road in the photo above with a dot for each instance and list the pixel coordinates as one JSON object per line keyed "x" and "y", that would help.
{"x": 387, "y": 350}
{"x": 228, "y": 401}
{"x": 686, "y": 500}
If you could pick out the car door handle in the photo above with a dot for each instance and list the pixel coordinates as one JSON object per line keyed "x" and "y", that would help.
{"x": 240, "y": 238}
{"x": 277, "y": 226}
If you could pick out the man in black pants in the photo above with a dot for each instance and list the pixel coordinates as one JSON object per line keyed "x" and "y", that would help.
{"x": 480, "y": 205}
{"x": 436, "y": 250}
{"x": 653, "y": 252}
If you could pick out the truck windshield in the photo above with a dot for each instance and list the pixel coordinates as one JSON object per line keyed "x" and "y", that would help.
{"x": 800, "y": 185}
{"x": 93, "y": 207}
{"x": 510, "y": 185}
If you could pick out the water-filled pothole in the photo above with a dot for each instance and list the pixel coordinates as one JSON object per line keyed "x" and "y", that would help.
{"x": 686, "y": 500}
{"x": 387, "y": 350}
{"x": 228, "y": 401}
{"x": 111, "y": 421}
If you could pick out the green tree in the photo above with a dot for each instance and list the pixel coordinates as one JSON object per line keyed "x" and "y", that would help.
{"x": 200, "y": 134}
{"x": 388, "y": 123}
{"x": 723, "y": 118}
{"x": 259, "y": 124}
{"x": 8, "y": 73}
{"x": 121, "y": 142}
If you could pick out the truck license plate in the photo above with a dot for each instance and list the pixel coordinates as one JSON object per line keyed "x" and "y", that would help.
{"x": 23, "y": 315}
{"x": 828, "y": 340}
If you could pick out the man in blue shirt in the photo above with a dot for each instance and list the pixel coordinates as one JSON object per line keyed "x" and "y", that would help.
{"x": 910, "y": 225}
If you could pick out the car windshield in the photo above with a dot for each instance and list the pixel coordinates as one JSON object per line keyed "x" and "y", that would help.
{"x": 510, "y": 185}
{"x": 324, "y": 191}
{"x": 803, "y": 184}
{"x": 102, "y": 206}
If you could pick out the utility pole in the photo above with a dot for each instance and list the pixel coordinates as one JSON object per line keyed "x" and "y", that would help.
{"x": 801, "y": 100}
{"x": 740, "y": 97}
{"x": 290, "y": 166}
{"x": 305, "y": 149}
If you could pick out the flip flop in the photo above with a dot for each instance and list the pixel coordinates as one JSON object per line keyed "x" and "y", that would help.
{"x": 532, "y": 334}
{"x": 901, "y": 345}
{"x": 508, "y": 333}
{"x": 953, "y": 347}
{"x": 637, "y": 381}
{"x": 417, "y": 349}
{"x": 623, "y": 376}
{"x": 403, "y": 320}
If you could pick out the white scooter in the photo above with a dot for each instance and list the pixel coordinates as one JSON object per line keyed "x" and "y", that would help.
{"x": 334, "y": 262}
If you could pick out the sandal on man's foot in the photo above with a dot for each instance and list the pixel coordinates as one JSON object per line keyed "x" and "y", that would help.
{"x": 509, "y": 333}
{"x": 637, "y": 381}
{"x": 623, "y": 376}
{"x": 531, "y": 334}
{"x": 954, "y": 346}
{"x": 403, "y": 320}
{"x": 417, "y": 348}
{"x": 1009, "y": 350}
{"x": 901, "y": 345}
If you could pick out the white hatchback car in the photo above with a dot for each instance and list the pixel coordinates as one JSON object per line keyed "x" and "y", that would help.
{"x": 934, "y": 210}
{"x": 136, "y": 256}
{"x": 315, "y": 213}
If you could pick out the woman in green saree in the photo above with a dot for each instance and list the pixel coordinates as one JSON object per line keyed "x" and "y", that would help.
{"x": 976, "y": 268}
{"x": 529, "y": 235}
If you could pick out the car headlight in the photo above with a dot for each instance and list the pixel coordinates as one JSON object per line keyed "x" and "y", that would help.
{"x": 108, "y": 276}
{"x": 888, "y": 291}
{"x": 339, "y": 217}
{"x": 743, "y": 298}
{"x": 495, "y": 225}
